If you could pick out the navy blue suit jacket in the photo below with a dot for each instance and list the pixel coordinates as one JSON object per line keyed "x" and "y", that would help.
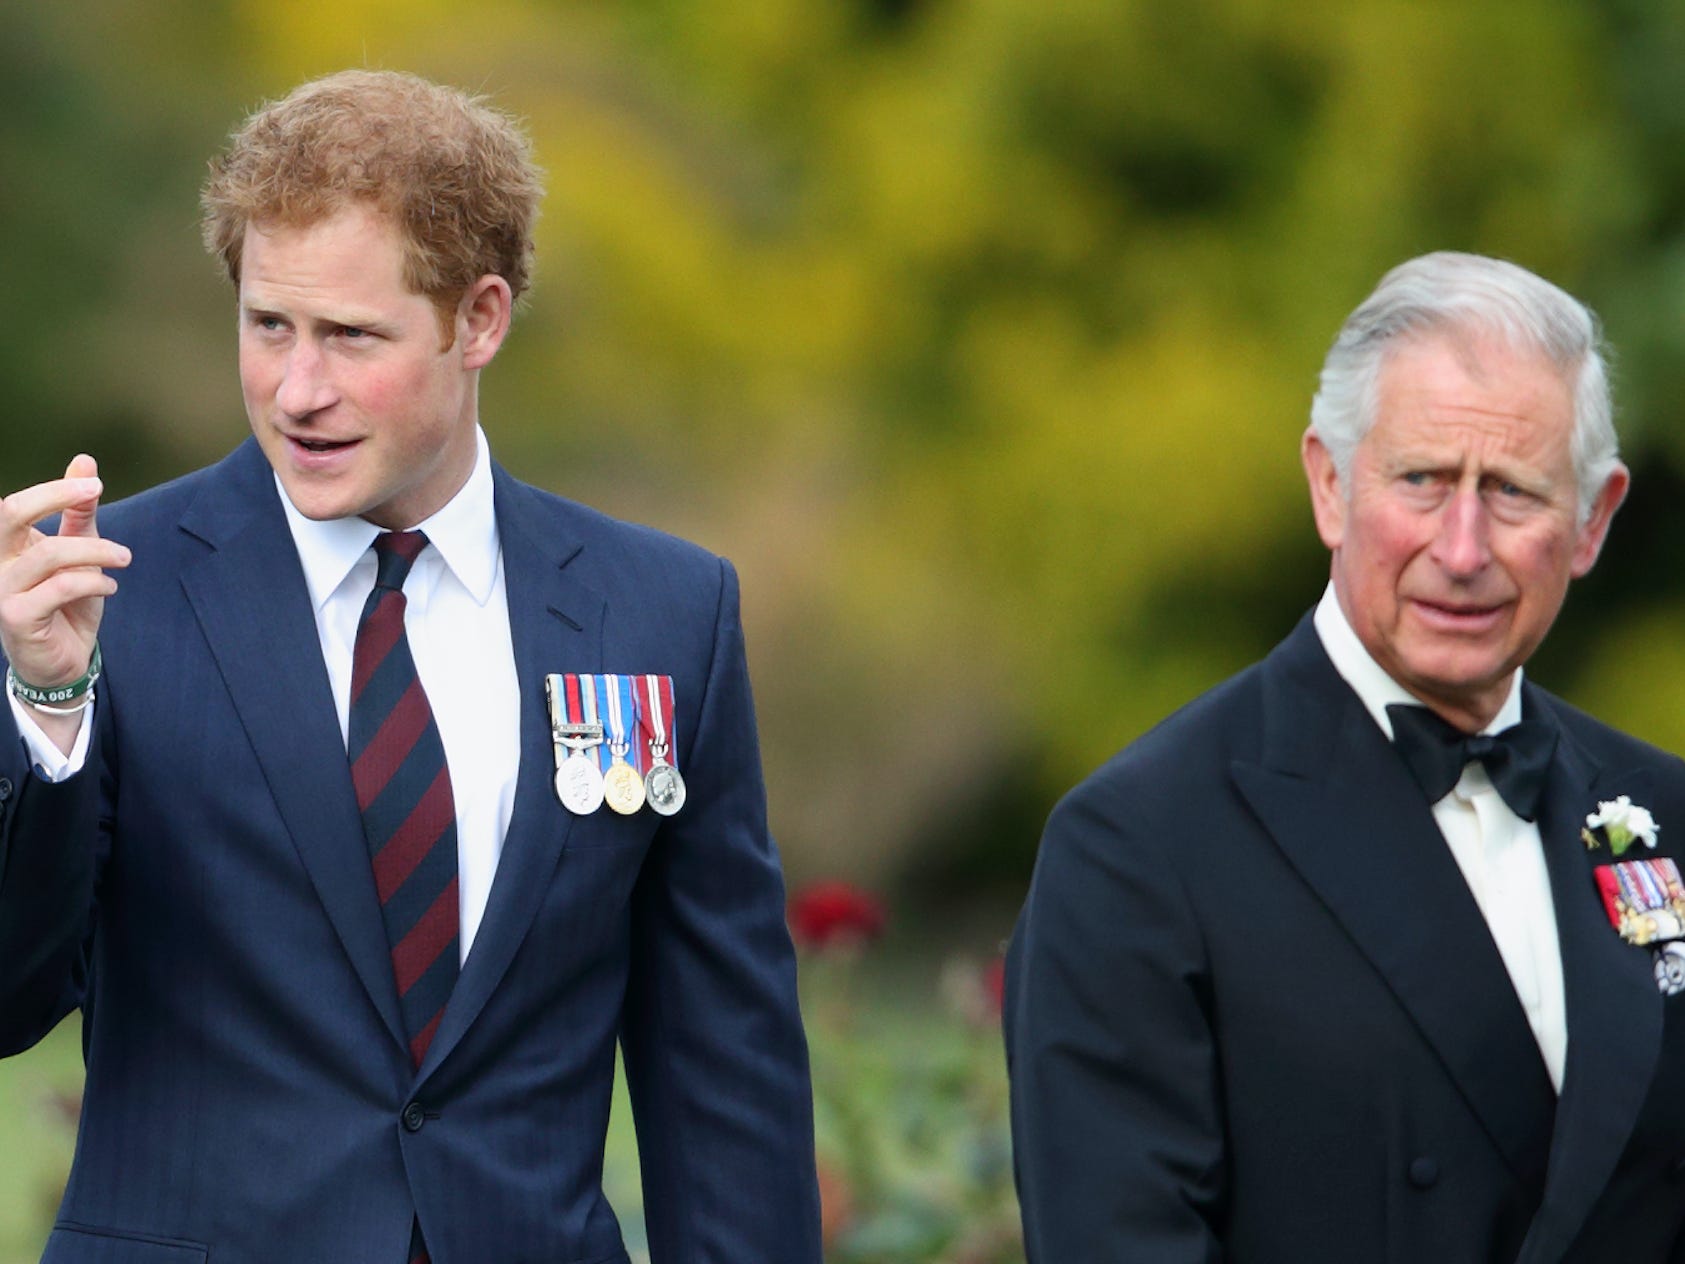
{"x": 202, "y": 890}
{"x": 1255, "y": 1015}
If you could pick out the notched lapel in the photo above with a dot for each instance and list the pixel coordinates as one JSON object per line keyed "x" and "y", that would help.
{"x": 251, "y": 601}
{"x": 555, "y": 625}
{"x": 1343, "y": 809}
{"x": 1614, "y": 1008}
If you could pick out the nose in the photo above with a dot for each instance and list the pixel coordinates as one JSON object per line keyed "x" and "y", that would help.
{"x": 305, "y": 387}
{"x": 1463, "y": 543}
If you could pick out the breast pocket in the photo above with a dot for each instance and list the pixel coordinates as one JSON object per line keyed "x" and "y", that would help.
{"x": 607, "y": 828}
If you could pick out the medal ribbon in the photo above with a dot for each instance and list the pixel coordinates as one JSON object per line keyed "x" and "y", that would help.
{"x": 655, "y": 719}
{"x": 1635, "y": 887}
{"x": 580, "y": 699}
{"x": 587, "y": 690}
{"x": 617, "y": 695}
{"x": 555, "y": 699}
{"x": 1647, "y": 892}
{"x": 570, "y": 700}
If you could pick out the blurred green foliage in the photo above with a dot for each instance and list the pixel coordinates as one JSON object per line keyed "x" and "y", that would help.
{"x": 40, "y": 1097}
{"x": 979, "y": 334}
{"x": 910, "y": 1099}
{"x": 910, "y": 1104}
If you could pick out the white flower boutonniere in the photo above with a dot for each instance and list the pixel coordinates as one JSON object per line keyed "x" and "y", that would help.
{"x": 1623, "y": 822}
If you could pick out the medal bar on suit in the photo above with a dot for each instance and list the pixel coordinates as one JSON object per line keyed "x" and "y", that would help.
{"x": 579, "y": 783}
{"x": 623, "y": 788}
{"x": 1645, "y": 899}
{"x": 665, "y": 787}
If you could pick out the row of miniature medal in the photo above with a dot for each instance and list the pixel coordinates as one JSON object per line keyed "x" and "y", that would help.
{"x": 593, "y": 718}
{"x": 1645, "y": 900}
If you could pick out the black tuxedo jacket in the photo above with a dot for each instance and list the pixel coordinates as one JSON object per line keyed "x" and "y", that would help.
{"x": 1254, "y": 1014}
{"x": 202, "y": 890}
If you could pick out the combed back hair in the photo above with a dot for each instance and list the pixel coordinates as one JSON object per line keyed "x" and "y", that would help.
{"x": 1469, "y": 296}
{"x": 454, "y": 174}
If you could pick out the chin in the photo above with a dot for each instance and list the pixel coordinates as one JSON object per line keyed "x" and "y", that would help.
{"x": 326, "y": 514}
{"x": 1459, "y": 678}
{"x": 318, "y": 508}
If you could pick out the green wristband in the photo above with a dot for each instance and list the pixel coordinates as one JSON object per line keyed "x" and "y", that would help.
{"x": 58, "y": 695}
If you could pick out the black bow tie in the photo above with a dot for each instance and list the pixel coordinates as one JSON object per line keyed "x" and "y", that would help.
{"x": 1436, "y": 751}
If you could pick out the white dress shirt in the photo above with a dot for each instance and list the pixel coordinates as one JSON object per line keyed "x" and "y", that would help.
{"x": 457, "y": 614}
{"x": 52, "y": 764}
{"x": 1501, "y": 856}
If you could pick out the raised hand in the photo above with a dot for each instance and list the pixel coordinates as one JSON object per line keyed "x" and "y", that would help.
{"x": 53, "y": 587}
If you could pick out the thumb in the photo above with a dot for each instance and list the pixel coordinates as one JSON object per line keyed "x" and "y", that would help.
{"x": 78, "y": 517}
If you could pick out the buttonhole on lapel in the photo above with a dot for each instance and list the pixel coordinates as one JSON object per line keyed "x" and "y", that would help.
{"x": 574, "y": 624}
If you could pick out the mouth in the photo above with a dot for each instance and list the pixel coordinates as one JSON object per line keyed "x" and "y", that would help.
{"x": 1459, "y": 615}
{"x": 314, "y": 456}
{"x": 323, "y": 445}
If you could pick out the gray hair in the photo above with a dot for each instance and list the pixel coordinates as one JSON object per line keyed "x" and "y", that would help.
{"x": 1447, "y": 292}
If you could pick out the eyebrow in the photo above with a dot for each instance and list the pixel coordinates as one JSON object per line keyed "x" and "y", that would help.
{"x": 345, "y": 320}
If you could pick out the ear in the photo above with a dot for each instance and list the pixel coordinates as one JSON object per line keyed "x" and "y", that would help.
{"x": 1589, "y": 542}
{"x": 1328, "y": 501}
{"x": 482, "y": 320}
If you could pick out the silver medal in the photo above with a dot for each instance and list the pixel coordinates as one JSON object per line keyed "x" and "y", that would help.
{"x": 666, "y": 789}
{"x": 579, "y": 785}
{"x": 663, "y": 786}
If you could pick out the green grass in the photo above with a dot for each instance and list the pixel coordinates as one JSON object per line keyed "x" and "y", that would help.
{"x": 36, "y": 1139}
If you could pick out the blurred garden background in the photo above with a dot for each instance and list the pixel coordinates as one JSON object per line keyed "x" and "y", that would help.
{"x": 979, "y": 333}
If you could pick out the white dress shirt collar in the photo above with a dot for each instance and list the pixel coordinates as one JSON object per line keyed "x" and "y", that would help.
{"x": 464, "y": 533}
{"x": 1374, "y": 688}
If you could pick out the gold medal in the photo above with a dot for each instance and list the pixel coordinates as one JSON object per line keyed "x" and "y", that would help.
{"x": 623, "y": 789}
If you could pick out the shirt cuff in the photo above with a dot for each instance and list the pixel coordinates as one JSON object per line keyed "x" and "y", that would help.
{"x": 52, "y": 764}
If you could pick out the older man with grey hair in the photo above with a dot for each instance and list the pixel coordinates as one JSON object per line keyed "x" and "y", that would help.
{"x": 1376, "y": 951}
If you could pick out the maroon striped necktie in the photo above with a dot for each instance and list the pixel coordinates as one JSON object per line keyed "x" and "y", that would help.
{"x": 404, "y": 792}
{"x": 409, "y": 814}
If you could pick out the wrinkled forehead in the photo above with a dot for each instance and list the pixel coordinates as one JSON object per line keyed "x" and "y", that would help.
{"x": 1450, "y": 391}
{"x": 1480, "y": 343}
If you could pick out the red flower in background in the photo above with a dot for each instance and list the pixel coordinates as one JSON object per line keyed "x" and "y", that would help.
{"x": 832, "y": 914}
{"x": 994, "y": 984}
{"x": 836, "y": 1203}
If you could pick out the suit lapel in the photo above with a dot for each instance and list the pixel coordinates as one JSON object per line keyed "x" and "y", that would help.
{"x": 1614, "y": 1008}
{"x": 252, "y": 604}
{"x": 1339, "y": 803}
{"x": 556, "y": 624}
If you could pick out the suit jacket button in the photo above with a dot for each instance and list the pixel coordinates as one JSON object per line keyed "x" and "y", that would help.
{"x": 413, "y": 1117}
{"x": 1424, "y": 1173}
{"x": 5, "y": 788}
